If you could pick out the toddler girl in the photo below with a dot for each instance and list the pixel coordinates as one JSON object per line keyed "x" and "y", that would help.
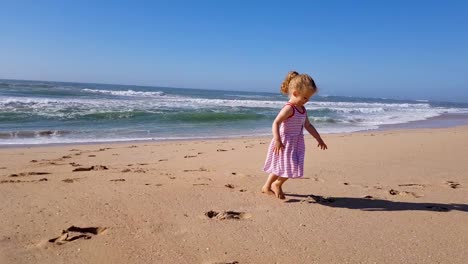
{"x": 285, "y": 157}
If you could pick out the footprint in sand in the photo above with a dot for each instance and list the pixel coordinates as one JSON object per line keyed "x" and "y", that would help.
{"x": 70, "y": 180}
{"x": 403, "y": 193}
{"x": 412, "y": 185}
{"x": 103, "y": 149}
{"x": 319, "y": 199}
{"x": 415, "y": 195}
{"x": 200, "y": 169}
{"x": 204, "y": 179}
{"x": 74, "y": 232}
{"x": 96, "y": 168}
{"x": 138, "y": 170}
{"x": 239, "y": 174}
{"x": 453, "y": 184}
{"x": 11, "y": 181}
{"x": 223, "y": 150}
{"x": 313, "y": 199}
{"x": 22, "y": 174}
{"x": 19, "y": 181}
{"x": 227, "y": 215}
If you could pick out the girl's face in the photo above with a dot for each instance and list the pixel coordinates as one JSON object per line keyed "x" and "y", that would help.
{"x": 301, "y": 98}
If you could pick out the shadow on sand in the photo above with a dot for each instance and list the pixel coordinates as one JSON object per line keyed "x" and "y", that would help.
{"x": 371, "y": 204}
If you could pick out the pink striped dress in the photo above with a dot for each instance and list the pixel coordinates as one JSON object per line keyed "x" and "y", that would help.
{"x": 289, "y": 163}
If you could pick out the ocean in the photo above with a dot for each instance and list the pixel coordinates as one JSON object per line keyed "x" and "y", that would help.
{"x": 39, "y": 112}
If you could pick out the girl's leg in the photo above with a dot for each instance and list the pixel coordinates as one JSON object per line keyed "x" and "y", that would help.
{"x": 276, "y": 187}
{"x": 267, "y": 187}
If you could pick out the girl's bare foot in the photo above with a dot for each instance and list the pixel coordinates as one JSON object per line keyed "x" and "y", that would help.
{"x": 276, "y": 188}
{"x": 267, "y": 190}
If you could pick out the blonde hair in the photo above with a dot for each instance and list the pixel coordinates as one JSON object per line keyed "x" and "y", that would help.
{"x": 297, "y": 82}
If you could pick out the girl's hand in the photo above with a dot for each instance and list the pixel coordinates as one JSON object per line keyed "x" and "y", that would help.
{"x": 321, "y": 144}
{"x": 278, "y": 146}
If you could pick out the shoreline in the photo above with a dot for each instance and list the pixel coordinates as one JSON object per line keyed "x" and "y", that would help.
{"x": 442, "y": 121}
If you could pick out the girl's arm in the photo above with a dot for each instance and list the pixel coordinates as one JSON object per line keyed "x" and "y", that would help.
{"x": 311, "y": 129}
{"x": 286, "y": 112}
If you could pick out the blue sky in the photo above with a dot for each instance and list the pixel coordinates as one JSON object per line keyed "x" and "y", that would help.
{"x": 394, "y": 49}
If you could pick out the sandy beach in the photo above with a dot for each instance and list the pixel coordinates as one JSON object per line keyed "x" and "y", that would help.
{"x": 397, "y": 196}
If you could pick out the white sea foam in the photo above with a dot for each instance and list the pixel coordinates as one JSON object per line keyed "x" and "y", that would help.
{"x": 367, "y": 105}
{"x": 187, "y": 102}
{"x": 330, "y": 117}
{"x": 150, "y": 104}
{"x": 125, "y": 93}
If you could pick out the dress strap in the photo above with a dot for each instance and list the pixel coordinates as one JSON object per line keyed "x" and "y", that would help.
{"x": 293, "y": 108}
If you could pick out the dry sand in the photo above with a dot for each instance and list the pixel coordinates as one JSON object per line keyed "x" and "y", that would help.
{"x": 374, "y": 197}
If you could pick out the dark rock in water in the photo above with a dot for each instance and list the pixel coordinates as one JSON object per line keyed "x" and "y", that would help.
{"x": 45, "y": 133}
